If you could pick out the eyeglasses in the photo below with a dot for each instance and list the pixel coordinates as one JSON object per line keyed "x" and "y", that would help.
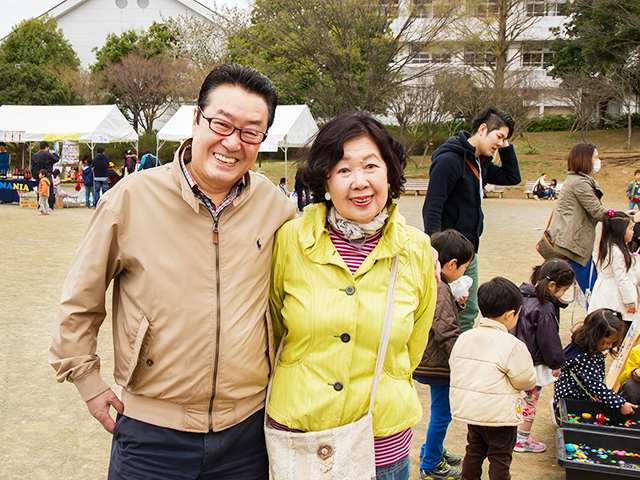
{"x": 224, "y": 128}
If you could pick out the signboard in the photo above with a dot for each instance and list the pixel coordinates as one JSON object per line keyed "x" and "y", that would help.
{"x": 13, "y": 136}
{"x": 70, "y": 152}
{"x": 630, "y": 341}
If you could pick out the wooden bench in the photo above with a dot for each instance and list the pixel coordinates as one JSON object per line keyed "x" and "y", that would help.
{"x": 528, "y": 189}
{"x": 499, "y": 189}
{"x": 416, "y": 185}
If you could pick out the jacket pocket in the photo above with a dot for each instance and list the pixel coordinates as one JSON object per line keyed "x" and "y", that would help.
{"x": 137, "y": 350}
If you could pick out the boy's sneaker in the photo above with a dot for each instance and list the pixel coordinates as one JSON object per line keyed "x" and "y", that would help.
{"x": 451, "y": 458}
{"x": 443, "y": 471}
{"x": 529, "y": 445}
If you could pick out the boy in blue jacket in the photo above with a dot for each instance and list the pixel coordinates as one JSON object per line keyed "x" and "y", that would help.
{"x": 460, "y": 168}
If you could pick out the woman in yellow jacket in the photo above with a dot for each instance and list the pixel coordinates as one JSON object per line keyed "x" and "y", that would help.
{"x": 330, "y": 273}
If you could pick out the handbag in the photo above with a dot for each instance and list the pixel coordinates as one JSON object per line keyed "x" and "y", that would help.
{"x": 545, "y": 245}
{"x": 342, "y": 453}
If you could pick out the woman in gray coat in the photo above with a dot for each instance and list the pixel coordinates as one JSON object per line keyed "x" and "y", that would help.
{"x": 579, "y": 209}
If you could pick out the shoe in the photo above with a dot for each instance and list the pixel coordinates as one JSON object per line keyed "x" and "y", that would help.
{"x": 451, "y": 458}
{"x": 443, "y": 471}
{"x": 43, "y": 213}
{"x": 536, "y": 197}
{"x": 529, "y": 445}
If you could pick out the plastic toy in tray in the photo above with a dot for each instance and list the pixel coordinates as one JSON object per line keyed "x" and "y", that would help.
{"x": 585, "y": 414}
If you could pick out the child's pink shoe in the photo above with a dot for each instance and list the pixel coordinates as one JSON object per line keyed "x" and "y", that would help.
{"x": 530, "y": 445}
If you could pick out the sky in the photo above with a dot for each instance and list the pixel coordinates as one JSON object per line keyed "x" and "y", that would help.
{"x": 14, "y": 11}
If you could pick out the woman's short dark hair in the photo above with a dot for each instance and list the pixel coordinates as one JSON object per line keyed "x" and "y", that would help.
{"x": 244, "y": 77}
{"x": 498, "y": 296}
{"x": 581, "y": 158}
{"x": 327, "y": 150}
{"x": 494, "y": 119}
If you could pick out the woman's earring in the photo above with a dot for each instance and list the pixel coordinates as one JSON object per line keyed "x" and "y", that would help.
{"x": 327, "y": 196}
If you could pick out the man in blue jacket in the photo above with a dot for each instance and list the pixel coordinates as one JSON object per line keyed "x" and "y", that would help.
{"x": 460, "y": 168}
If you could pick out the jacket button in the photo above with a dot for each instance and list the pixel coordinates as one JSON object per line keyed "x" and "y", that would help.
{"x": 149, "y": 362}
{"x": 345, "y": 337}
{"x": 338, "y": 386}
{"x": 350, "y": 290}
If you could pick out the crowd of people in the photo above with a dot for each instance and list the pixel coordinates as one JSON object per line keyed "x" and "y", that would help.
{"x": 253, "y": 340}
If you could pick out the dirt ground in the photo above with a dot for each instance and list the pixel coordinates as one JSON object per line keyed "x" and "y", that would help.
{"x": 46, "y": 432}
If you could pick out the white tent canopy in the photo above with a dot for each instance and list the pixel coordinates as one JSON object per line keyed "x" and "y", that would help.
{"x": 293, "y": 126}
{"x": 90, "y": 124}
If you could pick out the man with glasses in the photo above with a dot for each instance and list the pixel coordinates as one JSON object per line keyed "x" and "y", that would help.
{"x": 188, "y": 246}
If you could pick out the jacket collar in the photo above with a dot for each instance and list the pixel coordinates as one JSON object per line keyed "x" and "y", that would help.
{"x": 529, "y": 290}
{"x": 318, "y": 247}
{"x": 187, "y": 193}
{"x": 591, "y": 180}
{"x": 487, "y": 322}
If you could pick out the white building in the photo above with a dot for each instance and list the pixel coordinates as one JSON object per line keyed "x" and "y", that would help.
{"x": 529, "y": 35}
{"x": 86, "y": 23}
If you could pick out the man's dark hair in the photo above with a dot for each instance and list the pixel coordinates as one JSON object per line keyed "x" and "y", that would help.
{"x": 100, "y": 149}
{"x": 494, "y": 119}
{"x": 327, "y": 149}
{"x": 543, "y": 174}
{"x": 44, "y": 144}
{"x": 450, "y": 245}
{"x": 2, "y": 144}
{"x": 283, "y": 180}
{"x": 241, "y": 76}
{"x": 498, "y": 296}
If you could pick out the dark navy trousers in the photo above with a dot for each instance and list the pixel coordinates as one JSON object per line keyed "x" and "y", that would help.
{"x": 143, "y": 451}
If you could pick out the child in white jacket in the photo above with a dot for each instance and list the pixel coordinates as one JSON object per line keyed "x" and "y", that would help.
{"x": 489, "y": 368}
{"x": 617, "y": 284}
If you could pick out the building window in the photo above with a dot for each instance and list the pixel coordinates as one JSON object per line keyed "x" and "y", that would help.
{"x": 487, "y": 7}
{"x": 537, "y": 58}
{"x": 121, "y": 3}
{"x": 540, "y": 8}
{"x": 430, "y": 8}
{"x": 422, "y": 56}
{"x": 479, "y": 59}
{"x": 536, "y": 8}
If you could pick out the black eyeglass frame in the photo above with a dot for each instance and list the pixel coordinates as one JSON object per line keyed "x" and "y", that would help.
{"x": 210, "y": 119}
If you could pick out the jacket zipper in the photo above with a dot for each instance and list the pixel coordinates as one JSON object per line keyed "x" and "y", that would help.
{"x": 217, "y": 355}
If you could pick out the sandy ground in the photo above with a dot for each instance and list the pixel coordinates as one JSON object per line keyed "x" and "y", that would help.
{"x": 46, "y": 431}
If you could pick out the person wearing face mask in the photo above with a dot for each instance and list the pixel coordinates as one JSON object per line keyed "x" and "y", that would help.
{"x": 329, "y": 279}
{"x": 460, "y": 169}
{"x": 578, "y": 211}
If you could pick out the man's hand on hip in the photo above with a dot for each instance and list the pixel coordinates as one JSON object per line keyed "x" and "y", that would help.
{"x": 99, "y": 407}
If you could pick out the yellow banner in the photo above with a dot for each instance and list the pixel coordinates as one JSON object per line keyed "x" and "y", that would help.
{"x": 52, "y": 137}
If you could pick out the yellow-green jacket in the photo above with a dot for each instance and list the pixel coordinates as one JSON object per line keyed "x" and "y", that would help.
{"x": 334, "y": 320}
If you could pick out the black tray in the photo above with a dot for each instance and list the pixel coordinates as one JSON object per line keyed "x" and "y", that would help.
{"x": 576, "y": 470}
{"x": 578, "y": 407}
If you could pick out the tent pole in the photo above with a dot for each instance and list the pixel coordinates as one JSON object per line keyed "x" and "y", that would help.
{"x": 286, "y": 177}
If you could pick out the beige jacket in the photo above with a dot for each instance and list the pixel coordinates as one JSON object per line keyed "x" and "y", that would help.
{"x": 489, "y": 368}
{"x": 578, "y": 211}
{"x": 191, "y": 331}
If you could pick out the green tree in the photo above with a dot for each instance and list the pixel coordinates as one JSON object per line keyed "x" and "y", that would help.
{"x": 597, "y": 47}
{"x": 147, "y": 44}
{"x": 38, "y": 41}
{"x": 337, "y": 55}
{"x": 28, "y": 84}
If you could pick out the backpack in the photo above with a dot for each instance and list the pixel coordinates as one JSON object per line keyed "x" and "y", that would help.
{"x": 538, "y": 190}
{"x": 87, "y": 176}
{"x": 149, "y": 161}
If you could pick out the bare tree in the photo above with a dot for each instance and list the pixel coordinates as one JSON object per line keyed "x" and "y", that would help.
{"x": 340, "y": 55}
{"x": 204, "y": 42}
{"x": 145, "y": 88}
{"x": 585, "y": 92}
{"x": 623, "y": 85}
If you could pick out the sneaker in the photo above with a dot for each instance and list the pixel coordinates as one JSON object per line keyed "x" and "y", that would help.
{"x": 443, "y": 471}
{"x": 536, "y": 197}
{"x": 529, "y": 445}
{"x": 43, "y": 213}
{"x": 451, "y": 458}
